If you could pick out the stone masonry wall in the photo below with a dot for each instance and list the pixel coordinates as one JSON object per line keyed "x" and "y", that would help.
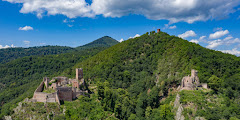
{"x": 40, "y": 96}
{"x": 40, "y": 87}
{"x": 65, "y": 93}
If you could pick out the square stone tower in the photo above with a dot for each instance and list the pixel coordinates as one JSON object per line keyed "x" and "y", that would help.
{"x": 194, "y": 73}
{"x": 79, "y": 73}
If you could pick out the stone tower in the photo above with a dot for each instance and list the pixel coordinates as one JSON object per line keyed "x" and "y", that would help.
{"x": 194, "y": 73}
{"x": 190, "y": 82}
{"x": 46, "y": 81}
{"x": 79, "y": 73}
{"x": 158, "y": 30}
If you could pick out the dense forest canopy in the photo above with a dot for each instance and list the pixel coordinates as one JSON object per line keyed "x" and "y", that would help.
{"x": 136, "y": 79}
{"x": 20, "y": 77}
{"x": 133, "y": 77}
{"x": 105, "y": 41}
{"x": 9, "y": 54}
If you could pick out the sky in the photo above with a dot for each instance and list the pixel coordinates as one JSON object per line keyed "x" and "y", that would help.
{"x": 213, "y": 24}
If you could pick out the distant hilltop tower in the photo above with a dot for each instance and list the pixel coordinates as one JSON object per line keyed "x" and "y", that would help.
{"x": 158, "y": 30}
{"x": 79, "y": 73}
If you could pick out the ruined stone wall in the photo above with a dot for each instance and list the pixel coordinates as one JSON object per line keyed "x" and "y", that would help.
{"x": 51, "y": 97}
{"x": 53, "y": 86}
{"x": 40, "y": 87}
{"x": 74, "y": 93}
{"x": 192, "y": 82}
{"x": 204, "y": 85}
{"x": 40, "y": 97}
{"x": 46, "y": 81}
{"x": 57, "y": 98}
{"x": 75, "y": 84}
{"x": 65, "y": 93}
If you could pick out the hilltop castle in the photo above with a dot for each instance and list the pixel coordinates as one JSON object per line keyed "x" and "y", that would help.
{"x": 192, "y": 82}
{"x": 60, "y": 88}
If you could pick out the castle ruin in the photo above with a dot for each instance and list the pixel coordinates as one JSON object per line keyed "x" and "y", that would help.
{"x": 192, "y": 82}
{"x": 60, "y": 88}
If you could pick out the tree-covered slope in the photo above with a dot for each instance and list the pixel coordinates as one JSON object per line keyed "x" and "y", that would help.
{"x": 105, "y": 41}
{"x": 137, "y": 79}
{"x": 10, "y": 54}
{"x": 19, "y": 78}
{"x": 133, "y": 77}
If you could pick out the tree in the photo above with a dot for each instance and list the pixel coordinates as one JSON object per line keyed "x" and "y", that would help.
{"x": 215, "y": 83}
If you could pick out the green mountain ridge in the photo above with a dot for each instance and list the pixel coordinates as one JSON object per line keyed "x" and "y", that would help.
{"x": 20, "y": 77}
{"x": 137, "y": 79}
{"x": 105, "y": 41}
{"x": 9, "y": 54}
{"x": 157, "y": 63}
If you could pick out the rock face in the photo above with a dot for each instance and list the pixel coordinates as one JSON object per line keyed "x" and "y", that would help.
{"x": 179, "y": 115}
{"x": 199, "y": 118}
{"x": 177, "y": 104}
{"x": 177, "y": 101}
{"x": 7, "y": 117}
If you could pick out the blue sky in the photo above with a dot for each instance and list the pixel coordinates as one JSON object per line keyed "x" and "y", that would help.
{"x": 211, "y": 23}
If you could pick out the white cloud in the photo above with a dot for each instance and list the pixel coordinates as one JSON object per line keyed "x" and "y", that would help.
{"x": 214, "y": 44}
{"x": 187, "y": 34}
{"x": 172, "y": 10}
{"x": 228, "y": 37}
{"x": 26, "y": 28}
{"x": 218, "y": 34}
{"x": 70, "y": 25}
{"x": 137, "y": 35}
{"x": 167, "y": 26}
{"x": 232, "y": 41}
{"x": 7, "y": 46}
{"x": 173, "y": 27}
{"x": 27, "y": 43}
{"x": 218, "y": 29}
{"x": 121, "y": 40}
{"x": 233, "y": 51}
{"x": 65, "y": 21}
{"x": 69, "y": 8}
{"x": 68, "y": 21}
{"x": 194, "y": 41}
{"x": 202, "y": 38}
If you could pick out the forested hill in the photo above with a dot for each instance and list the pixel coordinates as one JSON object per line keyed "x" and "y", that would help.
{"x": 20, "y": 77}
{"x": 105, "y": 41}
{"x": 133, "y": 77}
{"x": 137, "y": 79}
{"x": 10, "y": 54}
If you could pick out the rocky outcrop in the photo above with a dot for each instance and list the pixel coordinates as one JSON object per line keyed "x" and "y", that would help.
{"x": 7, "y": 118}
{"x": 177, "y": 101}
{"x": 179, "y": 107}
{"x": 200, "y": 118}
{"x": 179, "y": 115}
